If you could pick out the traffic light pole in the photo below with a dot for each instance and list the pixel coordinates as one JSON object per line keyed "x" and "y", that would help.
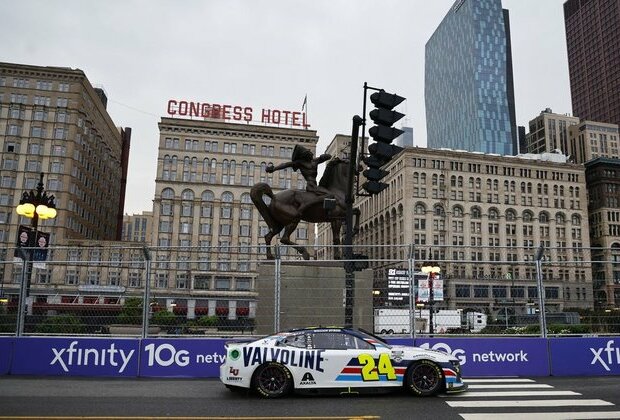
{"x": 348, "y": 239}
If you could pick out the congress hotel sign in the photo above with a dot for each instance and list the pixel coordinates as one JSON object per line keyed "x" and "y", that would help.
{"x": 226, "y": 112}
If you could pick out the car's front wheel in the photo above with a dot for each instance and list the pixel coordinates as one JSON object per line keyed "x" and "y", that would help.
{"x": 424, "y": 378}
{"x": 272, "y": 380}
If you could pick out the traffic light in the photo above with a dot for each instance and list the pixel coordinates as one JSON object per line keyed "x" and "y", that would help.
{"x": 383, "y": 133}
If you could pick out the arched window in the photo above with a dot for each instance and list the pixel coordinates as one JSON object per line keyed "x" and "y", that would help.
{"x": 511, "y": 215}
{"x": 167, "y": 193}
{"x": 227, "y": 197}
{"x": 560, "y": 219}
{"x": 187, "y": 195}
{"x": 207, "y": 195}
{"x": 493, "y": 214}
{"x": 245, "y": 198}
{"x": 419, "y": 209}
{"x": 528, "y": 216}
{"x": 476, "y": 213}
{"x": 576, "y": 220}
{"x": 543, "y": 217}
{"x": 206, "y": 207}
{"x": 457, "y": 211}
{"x": 438, "y": 211}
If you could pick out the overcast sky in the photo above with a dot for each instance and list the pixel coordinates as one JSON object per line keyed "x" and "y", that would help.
{"x": 266, "y": 54}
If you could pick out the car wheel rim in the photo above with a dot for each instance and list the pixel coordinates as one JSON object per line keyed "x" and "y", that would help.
{"x": 425, "y": 377}
{"x": 272, "y": 380}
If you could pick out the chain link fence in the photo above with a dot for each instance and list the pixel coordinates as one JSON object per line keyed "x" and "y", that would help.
{"x": 135, "y": 290}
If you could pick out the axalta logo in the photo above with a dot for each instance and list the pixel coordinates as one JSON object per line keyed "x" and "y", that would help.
{"x": 308, "y": 379}
{"x": 77, "y": 356}
{"x": 606, "y": 356}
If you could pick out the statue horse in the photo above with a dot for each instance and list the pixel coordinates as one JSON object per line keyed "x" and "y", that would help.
{"x": 282, "y": 212}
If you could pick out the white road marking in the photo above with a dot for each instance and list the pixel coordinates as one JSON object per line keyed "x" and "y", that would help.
{"x": 543, "y": 416}
{"x": 503, "y": 386}
{"x": 468, "y": 394}
{"x": 528, "y": 403}
{"x": 496, "y": 380}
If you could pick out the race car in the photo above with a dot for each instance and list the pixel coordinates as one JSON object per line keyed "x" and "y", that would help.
{"x": 342, "y": 360}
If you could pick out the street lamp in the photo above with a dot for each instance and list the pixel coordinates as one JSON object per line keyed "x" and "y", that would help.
{"x": 431, "y": 270}
{"x": 34, "y": 205}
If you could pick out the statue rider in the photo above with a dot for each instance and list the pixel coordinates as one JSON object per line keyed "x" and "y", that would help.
{"x": 303, "y": 161}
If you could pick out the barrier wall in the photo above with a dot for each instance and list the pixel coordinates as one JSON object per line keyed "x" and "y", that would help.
{"x": 131, "y": 357}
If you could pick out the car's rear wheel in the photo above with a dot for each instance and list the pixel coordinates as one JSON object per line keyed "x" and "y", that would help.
{"x": 424, "y": 378}
{"x": 272, "y": 380}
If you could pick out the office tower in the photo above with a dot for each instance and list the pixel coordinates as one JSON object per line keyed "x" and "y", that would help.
{"x": 593, "y": 44}
{"x": 469, "y": 92}
{"x": 549, "y": 133}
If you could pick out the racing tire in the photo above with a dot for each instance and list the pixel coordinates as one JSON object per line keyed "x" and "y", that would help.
{"x": 272, "y": 380}
{"x": 424, "y": 378}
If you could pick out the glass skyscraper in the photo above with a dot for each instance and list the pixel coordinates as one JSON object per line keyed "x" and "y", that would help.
{"x": 469, "y": 91}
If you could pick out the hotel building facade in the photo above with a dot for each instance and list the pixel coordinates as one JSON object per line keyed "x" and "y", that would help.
{"x": 53, "y": 121}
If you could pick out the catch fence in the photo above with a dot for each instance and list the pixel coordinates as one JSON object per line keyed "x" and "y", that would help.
{"x": 145, "y": 291}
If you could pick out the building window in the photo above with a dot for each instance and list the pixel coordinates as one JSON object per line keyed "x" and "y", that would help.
{"x": 222, "y": 283}
{"x": 72, "y": 277}
{"x": 134, "y": 279}
{"x": 162, "y": 280}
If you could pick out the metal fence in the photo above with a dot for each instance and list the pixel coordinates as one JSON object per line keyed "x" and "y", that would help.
{"x": 144, "y": 291}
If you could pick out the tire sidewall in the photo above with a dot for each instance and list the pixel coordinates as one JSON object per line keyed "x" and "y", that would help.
{"x": 285, "y": 390}
{"x": 411, "y": 387}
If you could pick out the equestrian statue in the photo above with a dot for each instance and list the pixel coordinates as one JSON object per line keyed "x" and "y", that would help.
{"x": 287, "y": 208}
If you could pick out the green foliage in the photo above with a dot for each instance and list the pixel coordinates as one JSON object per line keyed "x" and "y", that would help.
{"x": 7, "y": 321}
{"x": 205, "y": 321}
{"x": 131, "y": 312}
{"x": 534, "y": 329}
{"x": 164, "y": 318}
{"x": 61, "y": 324}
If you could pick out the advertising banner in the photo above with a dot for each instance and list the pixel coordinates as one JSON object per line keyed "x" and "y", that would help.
{"x": 75, "y": 356}
{"x": 494, "y": 356}
{"x": 6, "y": 351}
{"x": 585, "y": 356}
{"x": 195, "y": 358}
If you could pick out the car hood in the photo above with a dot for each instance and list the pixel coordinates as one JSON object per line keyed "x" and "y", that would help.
{"x": 417, "y": 352}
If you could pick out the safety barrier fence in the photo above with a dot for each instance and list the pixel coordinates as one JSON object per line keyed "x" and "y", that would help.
{"x": 200, "y": 357}
{"x": 148, "y": 292}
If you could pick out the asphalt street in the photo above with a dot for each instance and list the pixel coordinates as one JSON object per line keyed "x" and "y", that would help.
{"x": 501, "y": 398}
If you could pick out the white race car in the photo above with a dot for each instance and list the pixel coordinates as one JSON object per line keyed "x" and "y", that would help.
{"x": 336, "y": 359}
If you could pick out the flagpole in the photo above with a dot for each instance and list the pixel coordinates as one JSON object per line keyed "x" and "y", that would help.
{"x": 304, "y": 106}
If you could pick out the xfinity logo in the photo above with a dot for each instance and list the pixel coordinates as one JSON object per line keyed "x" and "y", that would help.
{"x": 606, "y": 356}
{"x": 77, "y": 356}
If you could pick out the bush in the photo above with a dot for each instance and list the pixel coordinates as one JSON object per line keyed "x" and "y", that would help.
{"x": 131, "y": 312}
{"x": 61, "y": 324}
{"x": 164, "y": 318}
{"x": 206, "y": 321}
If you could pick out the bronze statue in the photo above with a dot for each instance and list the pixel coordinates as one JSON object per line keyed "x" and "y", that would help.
{"x": 287, "y": 208}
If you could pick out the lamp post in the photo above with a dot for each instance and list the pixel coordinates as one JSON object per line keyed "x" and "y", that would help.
{"x": 34, "y": 205}
{"x": 431, "y": 270}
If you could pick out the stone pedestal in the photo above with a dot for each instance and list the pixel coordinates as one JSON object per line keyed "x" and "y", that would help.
{"x": 311, "y": 294}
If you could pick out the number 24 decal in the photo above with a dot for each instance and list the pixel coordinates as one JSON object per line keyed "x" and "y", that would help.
{"x": 372, "y": 369}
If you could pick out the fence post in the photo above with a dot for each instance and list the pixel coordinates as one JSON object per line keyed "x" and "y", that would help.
{"x": 146, "y": 304}
{"x": 276, "y": 297}
{"x": 411, "y": 274}
{"x": 21, "y": 307}
{"x": 541, "y": 291}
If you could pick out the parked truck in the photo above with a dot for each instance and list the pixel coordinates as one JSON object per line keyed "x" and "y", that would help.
{"x": 397, "y": 321}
